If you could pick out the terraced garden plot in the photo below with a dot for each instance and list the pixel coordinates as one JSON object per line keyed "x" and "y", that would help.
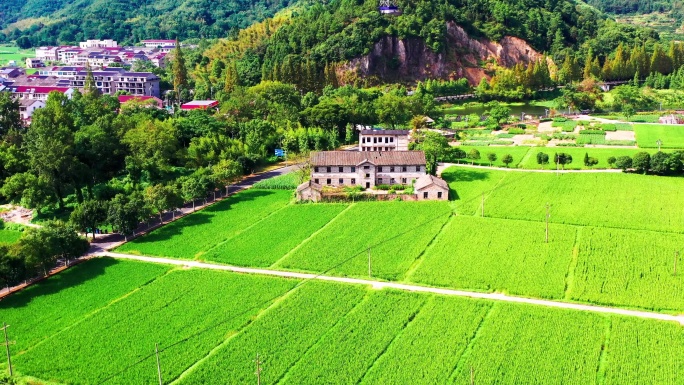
{"x": 199, "y": 307}
{"x": 644, "y": 353}
{"x": 350, "y": 348}
{"x": 487, "y": 254}
{"x": 281, "y": 335}
{"x": 396, "y": 233}
{"x": 596, "y": 199}
{"x": 671, "y": 136}
{"x": 42, "y": 310}
{"x": 264, "y": 244}
{"x": 520, "y": 344}
{"x": 428, "y": 349}
{"x": 629, "y": 268}
{"x": 191, "y": 236}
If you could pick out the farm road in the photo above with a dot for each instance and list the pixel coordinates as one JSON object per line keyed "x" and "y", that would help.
{"x": 405, "y": 287}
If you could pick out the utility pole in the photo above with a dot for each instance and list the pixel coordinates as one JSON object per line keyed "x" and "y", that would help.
{"x": 156, "y": 352}
{"x": 472, "y": 376}
{"x": 7, "y": 345}
{"x": 547, "y": 221}
{"x": 659, "y": 142}
{"x": 369, "y": 262}
{"x": 258, "y": 369}
{"x": 675, "y": 262}
{"x": 482, "y": 209}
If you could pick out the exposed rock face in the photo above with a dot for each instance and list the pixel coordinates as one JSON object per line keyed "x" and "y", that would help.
{"x": 405, "y": 60}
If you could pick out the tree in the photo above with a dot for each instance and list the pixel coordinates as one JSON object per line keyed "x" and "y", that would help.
{"x": 507, "y": 159}
{"x": 10, "y": 118}
{"x": 180, "y": 72}
{"x": 435, "y": 146}
{"x": 562, "y": 159}
{"x": 225, "y": 172}
{"x": 623, "y": 163}
{"x": 89, "y": 86}
{"x": 542, "y": 159}
{"x": 88, "y": 216}
{"x": 65, "y": 243}
{"x": 628, "y": 111}
{"x": 193, "y": 187}
{"x": 641, "y": 162}
{"x": 492, "y": 158}
{"x": 124, "y": 213}
{"x": 473, "y": 155}
{"x": 161, "y": 198}
{"x": 499, "y": 112}
{"x": 659, "y": 163}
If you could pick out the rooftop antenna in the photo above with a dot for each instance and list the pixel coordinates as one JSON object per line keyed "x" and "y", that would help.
{"x": 389, "y": 7}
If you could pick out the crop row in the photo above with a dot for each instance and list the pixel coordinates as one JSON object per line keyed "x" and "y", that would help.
{"x": 323, "y": 332}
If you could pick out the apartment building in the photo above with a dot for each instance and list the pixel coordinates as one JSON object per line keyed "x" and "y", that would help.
{"x": 383, "y": 140}
{"x": 107, "y": 43}
{"x": 117, "y": 79}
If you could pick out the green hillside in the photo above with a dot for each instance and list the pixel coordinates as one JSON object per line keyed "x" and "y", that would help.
{"x": 42, "y": 22}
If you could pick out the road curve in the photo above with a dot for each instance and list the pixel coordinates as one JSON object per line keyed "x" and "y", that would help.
{"x": 406, "y": 287}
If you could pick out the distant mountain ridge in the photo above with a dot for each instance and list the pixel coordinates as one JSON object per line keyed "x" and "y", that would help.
{"x": 51, "y": 22}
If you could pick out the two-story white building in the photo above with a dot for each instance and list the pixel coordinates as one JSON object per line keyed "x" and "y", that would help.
{"x": 383, "y": 140}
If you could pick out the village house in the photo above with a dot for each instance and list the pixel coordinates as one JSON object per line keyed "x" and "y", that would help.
{"x": 28, "y": 106}
{"x": 383, "y": 140}
{"x": 368, "y": 169}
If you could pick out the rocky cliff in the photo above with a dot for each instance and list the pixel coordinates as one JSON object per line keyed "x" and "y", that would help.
{"x": 401, "y": 60}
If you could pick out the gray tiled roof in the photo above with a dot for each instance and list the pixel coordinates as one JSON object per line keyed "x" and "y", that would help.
{"x": 385, "y": 132}
{"x": 379, "y": 158}
{"x": 427, "y": 180}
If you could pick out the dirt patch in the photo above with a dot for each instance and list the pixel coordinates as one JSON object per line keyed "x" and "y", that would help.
{"x": 16, "y": 214}
{"x": 620, "y": 135}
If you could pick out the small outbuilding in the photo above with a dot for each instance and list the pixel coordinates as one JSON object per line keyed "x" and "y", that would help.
{"x": 309, "y": 191}
{"x": 200, "y": 105}
{"x": 430, "y": 187}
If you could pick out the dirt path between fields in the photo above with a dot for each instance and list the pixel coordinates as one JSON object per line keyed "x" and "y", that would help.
{"x": 442, "y": 166}
{"x": 406, "y": 287}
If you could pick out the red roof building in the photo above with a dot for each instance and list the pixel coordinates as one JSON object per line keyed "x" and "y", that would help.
{"x": 200, "y": 105}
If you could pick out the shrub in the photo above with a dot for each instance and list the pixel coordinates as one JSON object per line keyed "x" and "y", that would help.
{"x": 516, "y": 131}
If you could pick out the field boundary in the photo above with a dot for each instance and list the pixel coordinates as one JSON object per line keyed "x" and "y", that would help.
{"x": 603, "y": 358}
{"x": 499, "y": 297}
{"x": 411, "y": 319}
{"x": 471, "y": 342}
{"x": 421, "y": 257}
{"x": 98, "y": 310}
{"x": 366, "y": 298}
{"x": 311, "y": 236}
{"x": 190, "y": 369}
{"x": 570, "y": 274}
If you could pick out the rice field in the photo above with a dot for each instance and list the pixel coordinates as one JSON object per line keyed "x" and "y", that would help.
{"x": 671, "y": 136}
{"x": 314, "y": 332}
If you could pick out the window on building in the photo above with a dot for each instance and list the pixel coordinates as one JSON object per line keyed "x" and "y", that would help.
{"x": 315, "y": 169}
{"x": 439, "y": 194}
{"x": 375, "y": 140}
{"x": 392, "y": 181}
{"x": 417, "y": 168}
{"x": 353, "y": 169}
{"x": 380, "y": 169}
{"x": 392, "y": 140}
{"x": 328, "y": 181}
{"x": 392, "y": 169}
{"x": 403, "y": 180}
{"x": 341, "y": 181}
{"x": 386, "y": 140}
{"x": 379, "y": 180}
{"x": 327, "y": 169}
{"x": 341, "y": 169}
{"x": 353, "y": 181}
{"x": 425, "y": 195}
{"x": 366, "y": 167}
{"x": 316, "y": 181}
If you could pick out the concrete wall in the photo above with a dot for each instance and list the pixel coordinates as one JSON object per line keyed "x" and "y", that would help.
{"x": 366, "y": 177}
{"x": 432, "y": 193}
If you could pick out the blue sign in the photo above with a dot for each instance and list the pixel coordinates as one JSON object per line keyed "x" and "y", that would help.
{"x": 279, "y": 152}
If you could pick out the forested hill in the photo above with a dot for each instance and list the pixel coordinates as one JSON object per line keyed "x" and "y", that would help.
{"x": 49, "y": 22}
{"x": 448, "y": 37}
{"x": 637, "y": 6}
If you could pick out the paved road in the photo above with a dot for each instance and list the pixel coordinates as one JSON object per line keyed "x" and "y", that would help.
{"x": 405, "y": 287}
{"x": 112, "y": 240}
{"x": 443, "y": 166}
